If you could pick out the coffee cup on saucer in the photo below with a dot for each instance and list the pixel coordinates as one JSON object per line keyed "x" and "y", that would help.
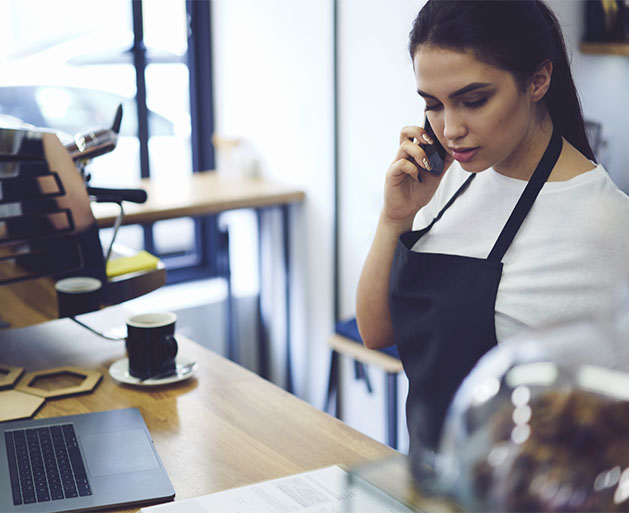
{"x": 151, "y": 345}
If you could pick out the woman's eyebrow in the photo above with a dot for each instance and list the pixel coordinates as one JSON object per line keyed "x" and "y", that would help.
{"x": 458, "y": 92}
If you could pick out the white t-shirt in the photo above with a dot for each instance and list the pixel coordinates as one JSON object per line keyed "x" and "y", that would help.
{"x": 570, "y": 257}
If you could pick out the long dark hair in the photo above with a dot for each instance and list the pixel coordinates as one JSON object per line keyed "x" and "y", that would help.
{"x": 516, "y": 36}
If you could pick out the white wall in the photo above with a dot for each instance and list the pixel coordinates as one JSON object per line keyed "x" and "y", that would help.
{"x": 376, "y": 99}
{"x": 273, "y": 79}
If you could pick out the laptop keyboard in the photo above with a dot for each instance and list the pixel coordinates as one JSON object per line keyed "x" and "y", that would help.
{"x": 45, "y": 464}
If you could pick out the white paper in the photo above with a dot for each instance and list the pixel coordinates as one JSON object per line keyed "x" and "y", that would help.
{"x": 318, "y": 491}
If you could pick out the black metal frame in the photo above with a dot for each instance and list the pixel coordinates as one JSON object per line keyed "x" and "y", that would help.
{"x": 335, "y": 130}
{"x": 204, "y": 262}
{"x": 334, "y": 374}
{"x": 200, "y": 65}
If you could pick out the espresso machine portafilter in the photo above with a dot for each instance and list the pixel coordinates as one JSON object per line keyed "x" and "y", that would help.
{"x": 91, "y": 144}
{"x": 97, "y": 142}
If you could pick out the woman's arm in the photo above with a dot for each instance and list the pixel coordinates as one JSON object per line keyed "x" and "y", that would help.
{"x": 404, "y": 195}
{"x": 372, "y": 298}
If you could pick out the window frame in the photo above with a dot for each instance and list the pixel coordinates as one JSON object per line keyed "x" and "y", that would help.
{"x": 205, "y": 261}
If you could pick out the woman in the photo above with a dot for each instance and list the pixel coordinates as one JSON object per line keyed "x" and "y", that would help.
{"x": 500, "y": 97}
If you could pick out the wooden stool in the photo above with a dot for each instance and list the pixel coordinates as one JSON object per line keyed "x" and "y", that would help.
{"x": 361, "y": 355}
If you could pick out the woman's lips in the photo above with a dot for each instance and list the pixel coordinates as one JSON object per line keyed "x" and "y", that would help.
{"x": 464, "y": 154}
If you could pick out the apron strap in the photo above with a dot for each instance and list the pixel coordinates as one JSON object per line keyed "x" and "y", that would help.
{"x": 524, "y": 204}
{"x": 459, "y": 191}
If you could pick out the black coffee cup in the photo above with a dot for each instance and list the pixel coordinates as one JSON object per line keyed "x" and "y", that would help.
{"x": 78, "y": 294}
{"x": 151, "y": 345}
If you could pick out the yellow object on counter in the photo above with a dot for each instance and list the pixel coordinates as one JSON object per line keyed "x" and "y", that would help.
{"x": 142, "y": 261}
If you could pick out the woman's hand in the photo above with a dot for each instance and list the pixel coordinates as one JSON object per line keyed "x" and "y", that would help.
{"x": 404, "y": 194}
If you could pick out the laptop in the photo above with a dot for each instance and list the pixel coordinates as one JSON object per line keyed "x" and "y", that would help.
{"x": 79, "y": 463}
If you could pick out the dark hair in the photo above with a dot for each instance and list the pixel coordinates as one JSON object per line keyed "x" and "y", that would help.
{"x": 516, "y": 36}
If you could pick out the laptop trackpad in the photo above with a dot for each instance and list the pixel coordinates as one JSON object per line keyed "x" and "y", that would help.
{"x": 118, "y": 453}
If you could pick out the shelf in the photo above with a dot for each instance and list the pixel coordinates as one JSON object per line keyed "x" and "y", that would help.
{"x": 619, "y": 48}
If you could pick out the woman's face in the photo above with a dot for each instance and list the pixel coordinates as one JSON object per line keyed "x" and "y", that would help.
{"x": 477, "y": 111}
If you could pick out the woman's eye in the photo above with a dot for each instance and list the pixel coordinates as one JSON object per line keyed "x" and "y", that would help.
{"x": 475, "y": 104}
{"x": 433, "y": 107}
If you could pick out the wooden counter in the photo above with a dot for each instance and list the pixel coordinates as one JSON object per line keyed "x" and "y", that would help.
{"x": 223, "y": 428}
{"x": 198, "y": 194}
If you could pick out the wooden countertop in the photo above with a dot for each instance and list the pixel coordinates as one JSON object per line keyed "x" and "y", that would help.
{"x": 197, "y": 194}
{"x": 223, "y": 428}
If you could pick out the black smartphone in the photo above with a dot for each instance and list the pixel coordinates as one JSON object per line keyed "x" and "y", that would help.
{"x": 435, "y": 152}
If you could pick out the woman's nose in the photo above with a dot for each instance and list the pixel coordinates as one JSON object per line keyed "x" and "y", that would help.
{"x": 453, "y": 127}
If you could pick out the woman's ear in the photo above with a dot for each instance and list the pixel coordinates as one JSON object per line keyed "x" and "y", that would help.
{"x": 540, "y": 81}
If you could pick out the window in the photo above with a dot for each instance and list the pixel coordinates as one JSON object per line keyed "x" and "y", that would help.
{"x": 71, "y": 74}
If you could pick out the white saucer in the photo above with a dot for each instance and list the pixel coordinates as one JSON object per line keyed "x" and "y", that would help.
{"x": 119, "y": 370}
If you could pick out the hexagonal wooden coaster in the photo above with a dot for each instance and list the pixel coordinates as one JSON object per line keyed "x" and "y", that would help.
{"x": 58, "y": 382}
{"x": 16, "y": 405}
{"x": 9, "y": 375}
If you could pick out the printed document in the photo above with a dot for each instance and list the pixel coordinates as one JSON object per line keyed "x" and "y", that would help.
{"x": 318, "y": 491}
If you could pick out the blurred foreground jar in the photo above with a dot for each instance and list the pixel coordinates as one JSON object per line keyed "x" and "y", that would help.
{"x": 540, "y": 424}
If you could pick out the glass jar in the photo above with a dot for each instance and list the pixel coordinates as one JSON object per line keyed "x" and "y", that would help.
{"x": 540, "y": 424}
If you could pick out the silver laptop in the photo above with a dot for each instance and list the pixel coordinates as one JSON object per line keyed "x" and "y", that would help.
{"x": 79, "y": 462}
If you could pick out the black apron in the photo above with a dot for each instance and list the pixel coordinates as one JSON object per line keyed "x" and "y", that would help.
{"x": 443, "y": 310}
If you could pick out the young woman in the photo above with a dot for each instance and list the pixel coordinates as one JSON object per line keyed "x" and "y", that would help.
{"x": 522, "y": 227}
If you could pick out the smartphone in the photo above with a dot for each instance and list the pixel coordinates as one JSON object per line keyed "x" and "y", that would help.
{"x": 435, "y": 152}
